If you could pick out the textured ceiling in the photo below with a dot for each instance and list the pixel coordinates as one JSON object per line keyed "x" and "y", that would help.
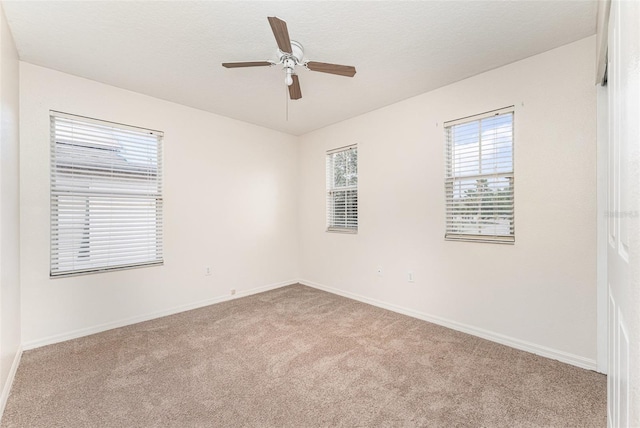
{"x": 173, "y": 50}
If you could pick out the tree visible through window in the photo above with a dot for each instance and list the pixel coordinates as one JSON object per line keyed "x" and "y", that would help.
{"x": 342, "y": 189}
{"x": 479, "y": 183}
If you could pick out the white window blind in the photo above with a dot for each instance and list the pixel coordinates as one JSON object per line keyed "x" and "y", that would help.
{"x": 342, "y": 189}
{"x": 479, "y": 178}
{"x": 106, "y": 196}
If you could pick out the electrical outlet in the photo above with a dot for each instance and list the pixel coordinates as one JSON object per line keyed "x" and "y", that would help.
{"x": 233, "y": 291}
{"x": 379, "y": 270}
{"x": 410, "y": 277}
{"x": 207, "y": 271}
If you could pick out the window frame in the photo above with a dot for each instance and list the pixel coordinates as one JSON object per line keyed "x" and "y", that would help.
{"x": 332, "y": 189}
{"x": 451, "y": 178}
{"x": 149, "y": 201}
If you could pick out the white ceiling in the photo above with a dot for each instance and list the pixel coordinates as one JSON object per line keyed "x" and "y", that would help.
{"x": 173, "y": 50}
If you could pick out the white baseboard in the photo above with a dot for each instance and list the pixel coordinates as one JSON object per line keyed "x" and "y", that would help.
{"x": 6, "y": 389}
{"x": 133, "y": 320}
{"x": 522, "y": 345}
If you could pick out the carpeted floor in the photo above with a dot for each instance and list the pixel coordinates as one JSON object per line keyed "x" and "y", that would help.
{"x": 297, "y": 357}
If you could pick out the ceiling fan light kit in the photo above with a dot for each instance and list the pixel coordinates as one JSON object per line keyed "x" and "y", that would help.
{"x": 291, "y": 54}
{"x": 290, "y": 60}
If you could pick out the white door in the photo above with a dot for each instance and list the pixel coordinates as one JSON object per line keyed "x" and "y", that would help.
{"x": 623, "y": 261}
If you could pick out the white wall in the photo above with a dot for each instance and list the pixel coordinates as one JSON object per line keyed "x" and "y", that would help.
{"x": 539, "y": 294}
{"x": 9, "y": 211}
{"x": 230, "y": 203}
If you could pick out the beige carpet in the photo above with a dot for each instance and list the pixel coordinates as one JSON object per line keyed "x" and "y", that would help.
{"x": 297, "y": 357}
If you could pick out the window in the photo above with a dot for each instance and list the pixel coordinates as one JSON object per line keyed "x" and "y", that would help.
{"x": 106, "y": 196}
{"x": 479, "y": 178}
{"x": 342, "y": 190}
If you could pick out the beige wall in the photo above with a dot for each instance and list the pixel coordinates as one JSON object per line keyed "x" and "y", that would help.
{"x": 539, "y": 294}
{"x": 230, "y": 203}
{"x": 9, "y": 211}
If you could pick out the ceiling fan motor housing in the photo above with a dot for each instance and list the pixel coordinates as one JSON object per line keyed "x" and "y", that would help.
{"x": 297, "y": 54}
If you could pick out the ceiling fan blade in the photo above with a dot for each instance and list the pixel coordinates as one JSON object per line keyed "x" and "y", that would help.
{"x": 323, "y": 67}
{"x": 279, "y": 28}
{"x": 294, "y": 90}
{"x": 246, "y": 64}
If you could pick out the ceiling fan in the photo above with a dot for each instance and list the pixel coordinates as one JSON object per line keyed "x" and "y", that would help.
{"x": 290, "y": 55}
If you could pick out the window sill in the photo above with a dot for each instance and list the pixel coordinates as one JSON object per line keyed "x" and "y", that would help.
{"x": 482, "y": 239}
{"x": 342, "y": 230}
{"x": 104, "y": 270}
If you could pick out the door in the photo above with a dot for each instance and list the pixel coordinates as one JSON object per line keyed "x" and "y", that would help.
{"x": 623, "y": 233}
